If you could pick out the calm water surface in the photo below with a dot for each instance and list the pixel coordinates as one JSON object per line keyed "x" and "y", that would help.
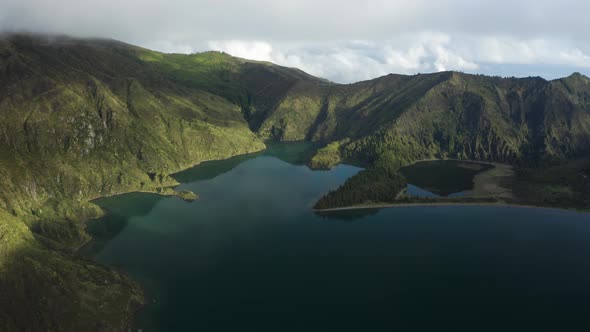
{"x": 442, "y": 178}
{"x": 250, "y": 255}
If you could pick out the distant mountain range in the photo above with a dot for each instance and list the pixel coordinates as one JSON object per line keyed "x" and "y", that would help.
{"x": 88, "y": 118}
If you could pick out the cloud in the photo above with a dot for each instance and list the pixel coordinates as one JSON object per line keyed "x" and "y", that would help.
{"x": 342, "y": 41}
{"x": 358, "y": 60}
{"x": 254, "y": 50}
{"x": 351, "y": 61}
{"x": 511, "y": 50}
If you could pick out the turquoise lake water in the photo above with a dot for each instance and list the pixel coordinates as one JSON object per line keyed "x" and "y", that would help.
{"x": 251, "y": 255}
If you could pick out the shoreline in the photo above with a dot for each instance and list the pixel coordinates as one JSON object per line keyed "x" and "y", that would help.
{"x": 78, "y": 251}
{"x": 486, "y": 185}
{"x": 171, "y": 186}
{"x": 443, "y": 204}
{"x": 147, "y": 301}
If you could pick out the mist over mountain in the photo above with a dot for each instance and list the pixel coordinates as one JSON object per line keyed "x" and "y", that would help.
{"x": 359, "y": 41}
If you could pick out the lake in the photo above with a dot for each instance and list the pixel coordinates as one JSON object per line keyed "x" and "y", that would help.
{"x": 442, "y": 178}
{"x": 251, "y": 255}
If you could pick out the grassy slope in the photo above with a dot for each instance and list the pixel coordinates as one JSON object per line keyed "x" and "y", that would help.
{"x": 92, "y": 129}
{"x": 80, "y": 120}
{"x": 88, "y": 118}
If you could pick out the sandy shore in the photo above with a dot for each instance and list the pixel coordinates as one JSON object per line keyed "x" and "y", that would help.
{"x": 492, "y": 182}
{"x": 442, "y": 204}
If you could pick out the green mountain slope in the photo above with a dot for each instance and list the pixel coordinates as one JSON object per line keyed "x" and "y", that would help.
{"x": 525, "y": 122}
{"x": 81, "y": 119}
{"x": 88, "y": 118}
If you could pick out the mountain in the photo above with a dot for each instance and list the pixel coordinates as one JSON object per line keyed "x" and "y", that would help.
{"x": 84, "y": 118}
{"x": 527, "y": 120}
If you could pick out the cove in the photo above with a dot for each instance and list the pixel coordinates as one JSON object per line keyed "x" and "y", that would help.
{"x": 251, "y": 255}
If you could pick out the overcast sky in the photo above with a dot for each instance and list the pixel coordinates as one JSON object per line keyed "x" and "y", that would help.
{"x": 344, "y": 40}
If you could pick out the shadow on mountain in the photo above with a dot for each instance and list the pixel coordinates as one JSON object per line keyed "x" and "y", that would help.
{"x": 295, "y": 153}
{"x": 102, "y": 231}
{"x": 40, "y": 289}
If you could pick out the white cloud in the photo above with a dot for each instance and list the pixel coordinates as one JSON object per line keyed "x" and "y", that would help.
{"x": 412, "y": 59}
{"x": 253, "y": 50}
{"x": 343, "y": 41}
{"x": 167, "y": 46}
{"x": 509, "y": 50}
{"x": 576, "y": 57}
{"x": 359, "y": 60}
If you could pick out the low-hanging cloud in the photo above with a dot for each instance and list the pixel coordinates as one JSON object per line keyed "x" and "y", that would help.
{"x": 416, "y": 53}
{"x": 341, "y": 41}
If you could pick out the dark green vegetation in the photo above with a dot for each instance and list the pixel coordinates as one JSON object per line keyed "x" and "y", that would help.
{"x": 372, "y": 186}
{"x": 530, "y": 123}
{"x": 81, "y": 119}
{"x": 558, "y": 186}
{"x": 378, "y": 186}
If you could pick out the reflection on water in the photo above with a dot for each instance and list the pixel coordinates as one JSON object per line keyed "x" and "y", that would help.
{"x": 120, "y": 209}
{"x": 293, "y": 153}
{"x": 251, "y": 255}
{"x": 414, "y": 191}
{"x": 444, "y": 178}
{"x": 351, "y": 215}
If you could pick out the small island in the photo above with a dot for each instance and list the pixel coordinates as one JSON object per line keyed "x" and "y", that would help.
{"x": 186, "y": 195}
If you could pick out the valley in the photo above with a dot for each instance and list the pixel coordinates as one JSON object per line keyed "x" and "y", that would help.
{"x": 89, "y": 118}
